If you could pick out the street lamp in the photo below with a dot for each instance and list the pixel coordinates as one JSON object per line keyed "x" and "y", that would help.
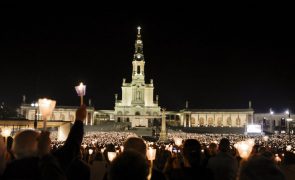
{"x": 35, "y": 105}
{"x": 271, "y": 111}
{"x": 289, "y": 119}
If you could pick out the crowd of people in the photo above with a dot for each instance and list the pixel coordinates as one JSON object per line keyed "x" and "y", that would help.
{"x": 123, "y": 155}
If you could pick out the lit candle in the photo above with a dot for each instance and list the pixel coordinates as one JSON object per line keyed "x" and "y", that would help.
{"x": 178, "y": 141}
{"x": 277, "y": 158}
{"x": 112, "y": 156}
{"x": 81, "y": 91}
{"x": 288, "y": 148}
{"x": 84, "y": 146}
{"x": 151, "y": 154}
{"x": 90, "y": 151}
{"x": 6, "y": 132}
{"x": 244, "y": 148}
{"x": 46, "y": 107}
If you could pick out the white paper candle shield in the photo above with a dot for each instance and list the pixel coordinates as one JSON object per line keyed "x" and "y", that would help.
{"x": 81, "y": 89}
{"x": 178, "y": 141}
{"x": 46, "y": 107}
{"x": 6, "y": 132}
{"x": 90, "y": 151}
{"x": 151, "y": 154}
{"x": 112, "y": 156}
{"x": 244, "y": 148}
{"x": 84, "y": 146}
{"x": 289, "y": 148}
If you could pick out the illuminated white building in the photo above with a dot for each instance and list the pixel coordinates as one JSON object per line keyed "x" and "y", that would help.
{"x": 137, "y": 105}
{"x": 216, "y": 117}
{"x": 61, "y": 113}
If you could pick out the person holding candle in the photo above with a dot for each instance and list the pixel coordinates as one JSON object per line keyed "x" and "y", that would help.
{"x": 69, "y": 155}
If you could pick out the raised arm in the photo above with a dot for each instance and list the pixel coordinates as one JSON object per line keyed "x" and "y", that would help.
{"x": 75, "y": 136}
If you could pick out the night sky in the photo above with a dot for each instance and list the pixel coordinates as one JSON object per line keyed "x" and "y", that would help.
{"x": 215, "y": 56}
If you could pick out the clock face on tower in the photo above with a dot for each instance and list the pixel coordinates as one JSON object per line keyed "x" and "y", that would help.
{"x": 138, "y": 56}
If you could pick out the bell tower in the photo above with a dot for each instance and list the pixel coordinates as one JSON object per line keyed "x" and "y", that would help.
{"x": 137, "y": 105}
{"x": 138, "y": 61}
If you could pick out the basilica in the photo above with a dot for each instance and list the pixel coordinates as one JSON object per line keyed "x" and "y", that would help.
{"x": 137, "y": 104}
{"x": 139, "y": 107}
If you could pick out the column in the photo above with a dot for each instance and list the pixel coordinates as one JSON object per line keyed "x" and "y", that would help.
{"x": 163, "y": 134}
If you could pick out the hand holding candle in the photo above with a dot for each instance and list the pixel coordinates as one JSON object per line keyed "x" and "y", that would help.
{"x": 151, "y": 155}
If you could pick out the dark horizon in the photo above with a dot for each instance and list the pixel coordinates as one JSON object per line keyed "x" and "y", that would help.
{"x": 215, "y": 58}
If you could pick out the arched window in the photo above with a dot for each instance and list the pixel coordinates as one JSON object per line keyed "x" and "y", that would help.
{"x": 138, "y": 69}
{"x": 219, "y": 121}
{"x": 210, "y": 121}
{"x": 193, "y": 121}
{"x": 137, "y": 113}
{"x": 201, "y": 121}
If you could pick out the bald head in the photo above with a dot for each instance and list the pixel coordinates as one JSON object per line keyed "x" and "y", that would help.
{"x": 135, "y": 144}
{"x": 25, "y": 144}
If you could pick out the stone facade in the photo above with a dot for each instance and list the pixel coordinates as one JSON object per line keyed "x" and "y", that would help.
{"x": 216, "y": 117}
{"x": 63, "y": 113}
